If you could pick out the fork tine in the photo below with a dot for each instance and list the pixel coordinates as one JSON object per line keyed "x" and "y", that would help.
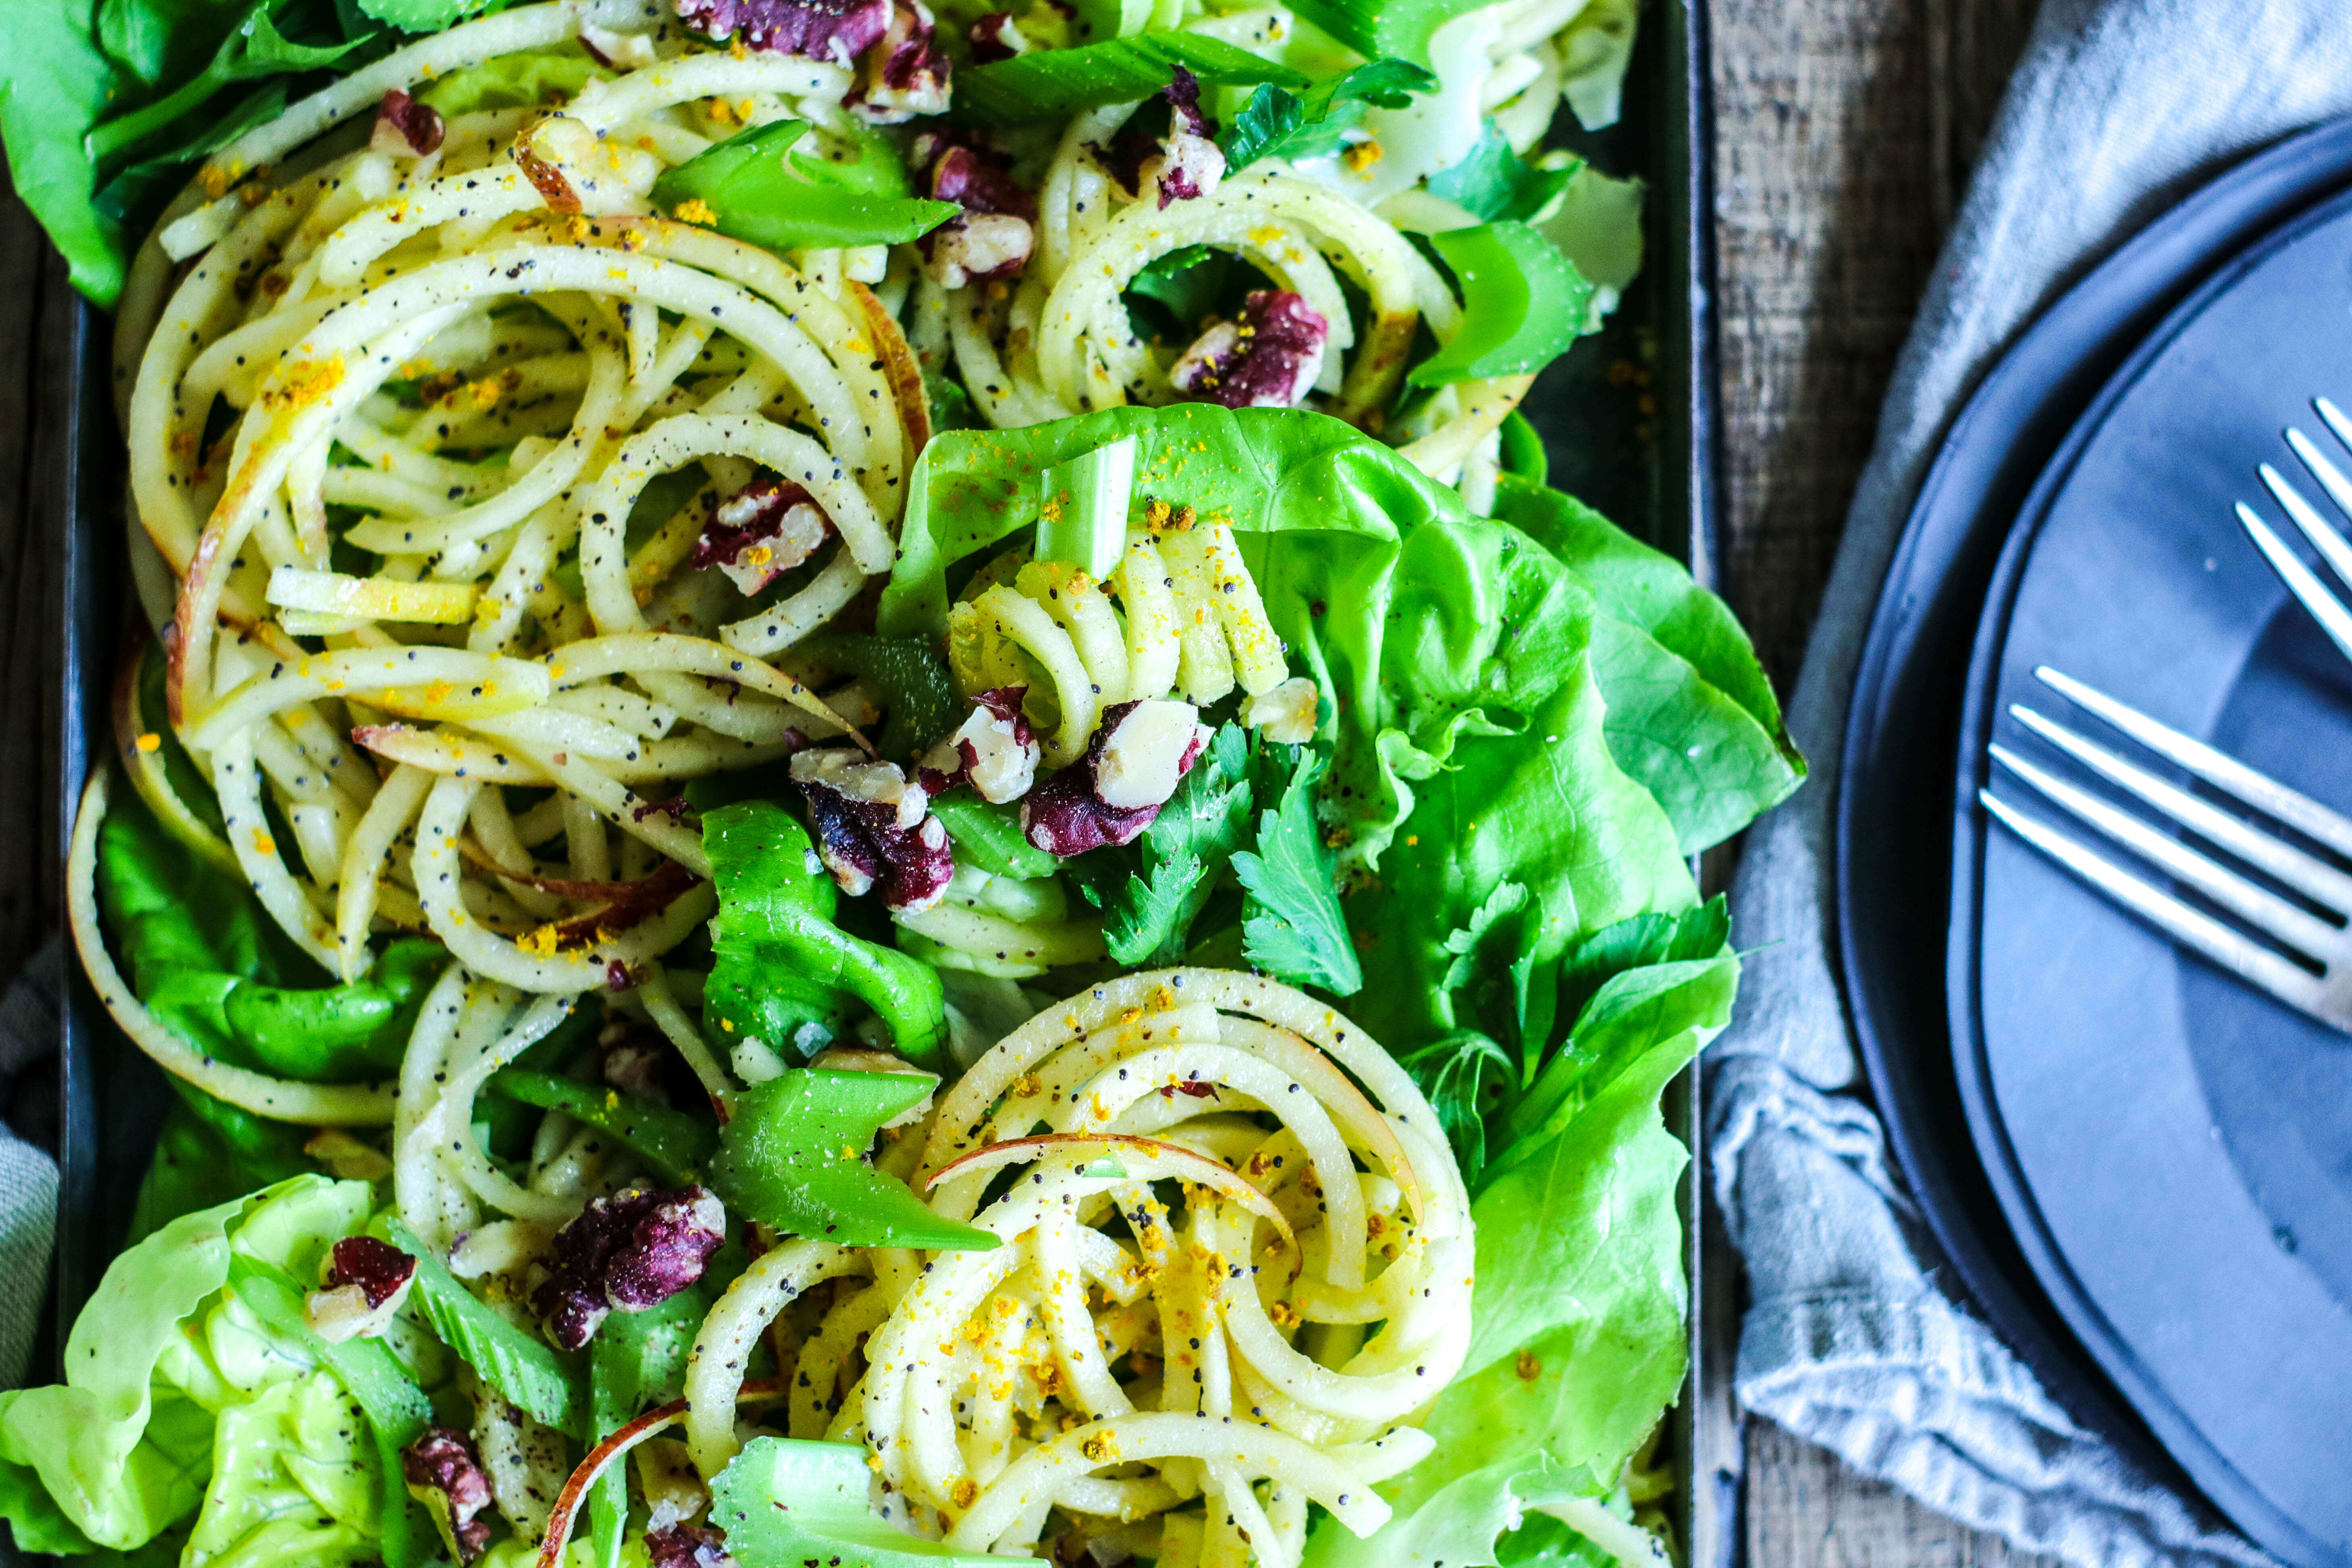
{"x": 2219, "y": 769}
{"x": 2322, "y": 533}
{"x": 2258, "y": 906}
{"x": 2308, "y": 589}
{"x": 2335, "y": 419}
{"x": 2241, "y": 954}
{"x": 2306, "y": 874}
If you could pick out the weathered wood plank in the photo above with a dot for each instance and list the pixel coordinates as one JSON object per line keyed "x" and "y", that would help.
{"x": 1845, "y": 132}
{"x": 1805, "y": 1509}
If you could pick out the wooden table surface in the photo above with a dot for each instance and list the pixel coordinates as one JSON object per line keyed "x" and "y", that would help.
{"x": 1846, "y": 129}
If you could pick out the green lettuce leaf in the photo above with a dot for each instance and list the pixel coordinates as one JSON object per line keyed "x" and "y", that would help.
{"x": 1691, "y": 714}
{"x": 1052, "y": 84}
{"x": 1577, "y": 1319}
{"x": 787, "y": 1501}
{"x": 123, "y": 1447}
{"x": 525, "y": 79}
{"x": 54, "y": 87}
{"x": 760, "y": 191}
{"x": 208, "y": 1151}
{"x": 523, "y": 1369}
{"x": 216, "y": 970}
{"x": 294, "y": 1480}
{"x": 792, "y": 1156}
{"x": 1523, "y": 304}
{"x": 1488, "y": 730}
{"x": 784, "y": 973}
{"x": 1315, "y": 505}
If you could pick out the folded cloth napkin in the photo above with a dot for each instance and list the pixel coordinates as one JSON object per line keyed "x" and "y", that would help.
{"x": 30, "y": 1014}
{"x": 29, "y": 1031}
{"x": 2118, "y": 108}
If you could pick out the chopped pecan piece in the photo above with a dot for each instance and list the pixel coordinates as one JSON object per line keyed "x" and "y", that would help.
{"x": 992, "y": 751}
{"x": 873, "y": 825}
{"x": 686, "y": 1546}
{"x": 906, "y": 73}
{"x": 1182, "y": 164}
{"x": 996, "y": 37}
{"x": 405, "y": 128}
{"x": 1270, "y": 359}
{"x": 995, "y": 234}
{"x": 834, "y": 30}
{"x": 625, "y": 1253}
{"x": 445, "y": 1473}
{"x": 760, "y": 532}
{"x": 366, "y": 1281}
{"x": 1112, "y": 794}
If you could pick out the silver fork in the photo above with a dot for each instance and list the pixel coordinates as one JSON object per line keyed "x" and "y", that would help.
{"x": 2322, "y": 941}
{"x": 2314, "y": 595}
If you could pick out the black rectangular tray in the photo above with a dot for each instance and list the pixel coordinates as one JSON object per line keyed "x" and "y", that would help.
{"x": 1629, "y": 417}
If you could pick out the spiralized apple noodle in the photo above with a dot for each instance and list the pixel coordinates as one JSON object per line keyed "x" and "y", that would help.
{"x": 1060, "y": 341}
{"x": 1261, "y": 1341}
{"x": 515, "y": 271}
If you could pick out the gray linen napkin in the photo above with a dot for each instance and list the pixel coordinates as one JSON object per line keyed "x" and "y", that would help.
{"x": 29, "y": 1031}
{"x": 2118, "y": 109}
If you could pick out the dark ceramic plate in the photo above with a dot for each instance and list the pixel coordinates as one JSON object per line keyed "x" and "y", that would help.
{"x": 1896, "y": 824}
{"x": 2172, "y": 1149}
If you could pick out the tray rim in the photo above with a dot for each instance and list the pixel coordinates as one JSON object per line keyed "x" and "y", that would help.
{"x": 84, "y": 503}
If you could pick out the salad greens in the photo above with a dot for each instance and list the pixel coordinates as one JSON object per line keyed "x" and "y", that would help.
{"x": 1051, "y": 84}
{"x": 1294, "y": 929}
{"x": 1475, "y": 838}
{"x": 756, "y": 187}
{"x": 785, "y": 1503}
{"x": 793, "y": 1156}
{"x": 207, "y": 958}
{"x": 123, "y": 1447}
{"x": 1194, "y": 837}
{"x": 784, "y": 974}
{"x": 1278, "y": 124}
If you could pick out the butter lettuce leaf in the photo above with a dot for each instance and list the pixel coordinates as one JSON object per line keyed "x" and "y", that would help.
{"x": 1577, "y": 1320}
{"x": 123, "y": 1449}
{"x": 1691, "y": 713}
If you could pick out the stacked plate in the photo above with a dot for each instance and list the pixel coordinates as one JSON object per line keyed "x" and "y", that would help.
{"x": 2141, "y": 1169}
